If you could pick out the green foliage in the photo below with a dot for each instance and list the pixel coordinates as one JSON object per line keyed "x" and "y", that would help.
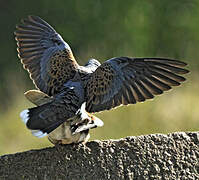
{"x": 104, "y": 29}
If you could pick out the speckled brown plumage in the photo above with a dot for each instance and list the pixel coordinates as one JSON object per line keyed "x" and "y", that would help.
{"x": 44, "y": 54}
{"x": 61, "y": 68}
{"x": 100, "y": 82}
{"x": 123, "y": 81}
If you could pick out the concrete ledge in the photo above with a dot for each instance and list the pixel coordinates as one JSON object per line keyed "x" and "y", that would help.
{"x": 155, "y": 156}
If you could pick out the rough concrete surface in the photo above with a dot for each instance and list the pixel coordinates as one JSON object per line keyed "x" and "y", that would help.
{"x": 156, "y": 156}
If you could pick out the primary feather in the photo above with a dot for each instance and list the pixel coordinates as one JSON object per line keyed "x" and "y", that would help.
{"x": 46, "y": 56}
{"x": 124, "y": 80}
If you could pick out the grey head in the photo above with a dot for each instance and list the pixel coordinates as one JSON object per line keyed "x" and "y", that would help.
{"x": 92, "y": 64}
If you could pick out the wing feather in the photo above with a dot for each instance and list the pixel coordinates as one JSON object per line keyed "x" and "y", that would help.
{"x": 44, "y": 54}
{"x": 122, "y": 81}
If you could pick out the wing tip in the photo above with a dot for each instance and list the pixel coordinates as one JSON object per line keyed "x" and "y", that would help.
{"x": 34, "y": 18}
{"x": 186, "y": 71}
{"x": 169, "y": 60}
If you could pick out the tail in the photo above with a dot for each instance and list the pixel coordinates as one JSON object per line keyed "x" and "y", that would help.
{"x": 37, "y": 97}
{"x": 25, "y": 117}
{"x": 34, "y": 118}
{"x": 40, "y": 121}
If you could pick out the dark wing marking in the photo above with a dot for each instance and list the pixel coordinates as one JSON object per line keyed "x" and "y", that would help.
{"x": 46, "y": 56}
{"x": 129, "y": 80}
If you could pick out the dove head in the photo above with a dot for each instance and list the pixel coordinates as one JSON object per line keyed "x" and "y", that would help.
{"x": 92, "y": 64}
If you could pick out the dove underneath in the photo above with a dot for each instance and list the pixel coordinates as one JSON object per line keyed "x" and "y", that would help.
{"x": 67, "y": 94}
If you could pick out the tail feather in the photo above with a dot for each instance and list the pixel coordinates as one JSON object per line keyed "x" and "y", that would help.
{"x": 25, "y": 117}
{"x": 41, "y": 120}
{"x": 37, "y": 97}
{"x": 38, "y": 133}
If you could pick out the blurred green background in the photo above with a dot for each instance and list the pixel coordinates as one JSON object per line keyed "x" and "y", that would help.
{"x": 103, "y": 29}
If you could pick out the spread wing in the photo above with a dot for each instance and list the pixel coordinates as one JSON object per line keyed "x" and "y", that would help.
{"x": 46, "y": 56}
{"x": 122, "y": 81}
